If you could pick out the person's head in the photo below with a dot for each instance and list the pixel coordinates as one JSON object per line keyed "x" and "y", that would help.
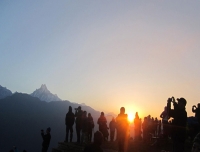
{"x": 98, "y": 138}
{"x": 70, "y": 109}
{"x": 89, "y": 114}
{"x": 79, "y": 108}
{"x": 181, "y": 103}
{"x": 48, "y": 130}
{"x": 85, "y": 113}
{"x": 113, "y": 119}
{"x": 102, "y": 113}
{"x": 196, "y": 143}
{"x": 198, "y": 105}
{"x": 122, "y": 110}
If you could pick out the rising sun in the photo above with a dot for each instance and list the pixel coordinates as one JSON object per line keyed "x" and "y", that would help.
{"x": 130, "y": 117}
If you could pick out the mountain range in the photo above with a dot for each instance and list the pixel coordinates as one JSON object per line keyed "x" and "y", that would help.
{"x": 42, "y": 93}
{"x": 22, "y": 116}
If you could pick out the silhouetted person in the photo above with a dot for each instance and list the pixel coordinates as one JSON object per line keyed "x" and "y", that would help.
{"x": 137, "y": 126}
{"x": 196, "y": 110}
{"x": 90, "y": 127}
{"x": 69, "y": 122}
{"x": 179, "y": 123}
{"x": 159, "y": 127}
{"x": 156, "y": 126}
{"x": 78, "y": 115}
{"x": 46, "y": 139}
{"x": 103, "y": 125}
{"x": 196, "y": 143}
{"x": 112, "y": 126}
{"x": 145, "y": 129}
{"x": 122, "y": 126}
{"x": 96, "y": 145}
{"x": 165, "y": 118}
{"x": 84, "y": 127}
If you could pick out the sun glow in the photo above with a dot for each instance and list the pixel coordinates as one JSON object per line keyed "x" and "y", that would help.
{"x": 130, "y": 117}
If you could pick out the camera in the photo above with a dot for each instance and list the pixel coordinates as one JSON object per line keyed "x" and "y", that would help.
{"x": 171, "y": 100}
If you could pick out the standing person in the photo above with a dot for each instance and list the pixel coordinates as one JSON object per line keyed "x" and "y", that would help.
{"x": 103, "y": 125}
{"x": 112, "y": 126}
{"x": 69, "y": 122}
{"x": 136, "y": 126}
{"x": 165, "y": 118}
{"x": 179, "y": 123}
{"x": 90, "y": 127}
{"x": 78, "y": 115}
{"x": 84, "y": 127}
{"x": 196, "y": 110}
{"x": 122, "y": 126}
{"x": 156, "y": 127}
{"x": 46, "y": 139}
{"x": 145, "y": 129}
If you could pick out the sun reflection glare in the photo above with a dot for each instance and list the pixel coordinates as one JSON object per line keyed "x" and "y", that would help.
{"x": 130, "y": 117}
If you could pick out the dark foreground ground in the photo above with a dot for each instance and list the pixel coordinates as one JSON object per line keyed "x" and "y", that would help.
{"x": 133, "y": 146}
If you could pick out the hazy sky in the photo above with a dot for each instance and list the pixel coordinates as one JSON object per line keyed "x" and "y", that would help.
{"x": 106, "y": 54}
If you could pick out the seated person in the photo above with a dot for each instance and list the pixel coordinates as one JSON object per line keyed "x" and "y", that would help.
{"x": 95, "y": 146}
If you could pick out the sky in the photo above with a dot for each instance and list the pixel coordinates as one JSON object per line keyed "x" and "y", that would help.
{"x": 106, "y": 54}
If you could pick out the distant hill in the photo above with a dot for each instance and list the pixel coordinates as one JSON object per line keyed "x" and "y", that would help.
{"x": 23, "y": 116}
{"x": 4, "y": 92}
{"x": 44, "y": 94}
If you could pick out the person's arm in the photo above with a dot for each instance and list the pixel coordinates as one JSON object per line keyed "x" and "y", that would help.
{"x": 169, "y": 110}
{"x": 42, "y": 134}
{"x": 161, "y": 115}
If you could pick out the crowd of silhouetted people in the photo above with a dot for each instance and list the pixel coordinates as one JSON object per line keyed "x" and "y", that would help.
{"x": 173, "y": 124}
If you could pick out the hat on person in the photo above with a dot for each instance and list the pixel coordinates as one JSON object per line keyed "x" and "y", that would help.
{"x": 49, "y": 129}
{"x": 182, "y": 100}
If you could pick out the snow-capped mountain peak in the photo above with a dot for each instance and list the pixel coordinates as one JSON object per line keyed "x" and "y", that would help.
{"x": 44, "y": 94}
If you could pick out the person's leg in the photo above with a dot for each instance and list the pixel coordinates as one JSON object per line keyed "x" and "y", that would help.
{"x": 78, "y": 133}
{"x": 67, "y": 133}
{"x": 112, "y": 135}
{"x": 89, "y": 134}
{"x": 71, "y": 133}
